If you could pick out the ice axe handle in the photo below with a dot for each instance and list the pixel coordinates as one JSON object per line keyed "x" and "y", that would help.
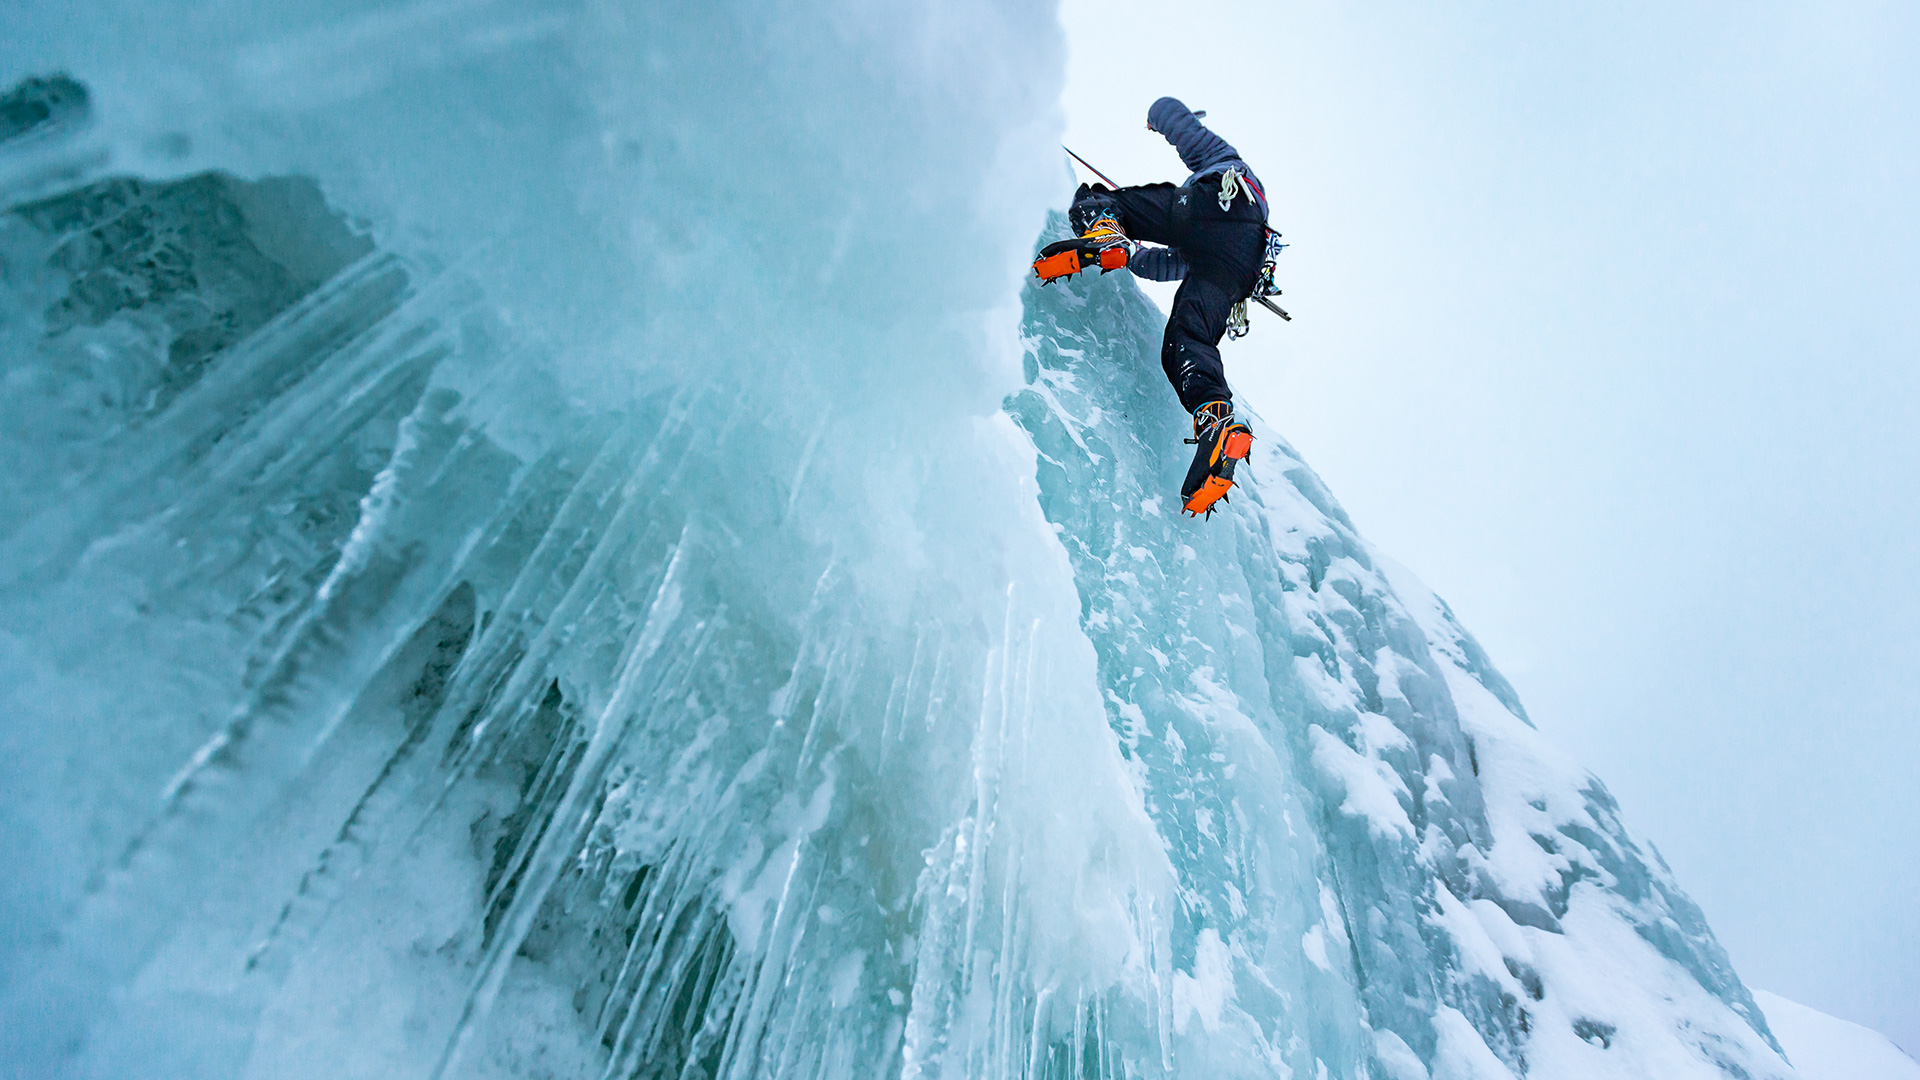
{"x": 1275, "y": 308}
{"x": 1083, "y": 161}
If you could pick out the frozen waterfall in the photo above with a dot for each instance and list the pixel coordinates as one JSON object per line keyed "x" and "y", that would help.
{"x": 549, "y": 540}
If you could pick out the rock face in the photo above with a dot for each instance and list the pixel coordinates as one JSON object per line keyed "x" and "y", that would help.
{"x": 415, "y": 663}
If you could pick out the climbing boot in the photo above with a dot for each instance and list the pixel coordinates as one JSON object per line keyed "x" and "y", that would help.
{"x": 1220, "y": 442}
{"x": 1102, "y": 242}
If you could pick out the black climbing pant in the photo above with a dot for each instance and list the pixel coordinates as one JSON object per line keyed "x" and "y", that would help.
{"x": 1223, "y": 249}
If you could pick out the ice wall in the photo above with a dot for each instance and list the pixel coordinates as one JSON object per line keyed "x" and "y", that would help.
{"x": 1345, "y": 784}
{"x": 514, "y": 563}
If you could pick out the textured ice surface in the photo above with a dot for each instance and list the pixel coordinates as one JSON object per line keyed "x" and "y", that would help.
{"x": 546, "y": 540}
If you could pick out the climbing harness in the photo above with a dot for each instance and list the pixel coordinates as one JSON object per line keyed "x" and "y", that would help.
{"x": 1237, "y": 321}
{"x": 1263, "y": 288}
{"x": 1233, "y": 181}
{"x": 1230, "y": 189}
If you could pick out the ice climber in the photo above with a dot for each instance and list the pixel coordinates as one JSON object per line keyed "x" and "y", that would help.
{"x": 1213, "y": 228}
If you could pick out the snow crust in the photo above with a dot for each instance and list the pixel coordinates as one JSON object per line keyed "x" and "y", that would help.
{"x": 1824, "y": 1047}
{"x": 549, "y": 540}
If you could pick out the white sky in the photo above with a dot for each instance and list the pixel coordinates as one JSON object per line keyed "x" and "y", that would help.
{"x": 1607, "y": 323}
